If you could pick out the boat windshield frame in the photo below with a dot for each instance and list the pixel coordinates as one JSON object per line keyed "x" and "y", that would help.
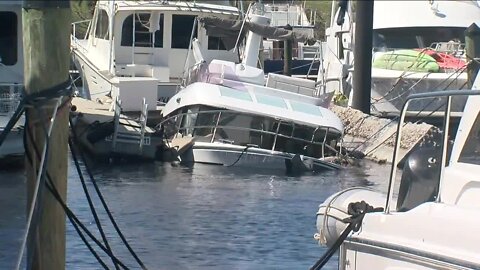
{"x": 387, "y": 39}
{"x": 323, "y": 143}
{"x": 448, "y": 94}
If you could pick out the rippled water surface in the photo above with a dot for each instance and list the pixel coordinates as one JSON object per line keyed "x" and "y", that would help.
{"x": 205, "y": 217}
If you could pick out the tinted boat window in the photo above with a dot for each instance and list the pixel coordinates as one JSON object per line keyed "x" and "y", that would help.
{"x": 143, "y": 34}
{"x": 471, "y": 150}
{"x": 182, "y": 30}
{"x": 102, "y": 25}
{"x": 216, "y": 43}
{"x": 415, "y": 37}
{"x": 8, "y": 38}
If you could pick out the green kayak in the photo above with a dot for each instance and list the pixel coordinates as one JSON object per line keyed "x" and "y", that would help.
{"x": 405, "y": 60}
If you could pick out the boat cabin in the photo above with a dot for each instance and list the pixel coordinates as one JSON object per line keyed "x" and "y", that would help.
{"x": 145, "y": 39}
{"x": 11, "y": 56}
{"x": 253, "y": 116}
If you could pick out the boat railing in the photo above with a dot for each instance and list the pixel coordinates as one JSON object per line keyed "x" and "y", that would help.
{"x": 322, "y": 142}
{"x": 451, "y": 47}
{"x": 295, "y": 15}
{"x": 448, "y": 94}
{"x": 10, "y": 96}
{"x": 137, "y": 133}
{"x": 75, "y": 33}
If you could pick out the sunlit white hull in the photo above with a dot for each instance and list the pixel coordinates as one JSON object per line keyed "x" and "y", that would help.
{"x": 252, "y": 157}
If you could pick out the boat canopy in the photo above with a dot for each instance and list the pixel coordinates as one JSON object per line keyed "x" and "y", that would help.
{"x": 230, "y": 28}
{"x": 177, "y": 6}
{"x": 256, "y": 100}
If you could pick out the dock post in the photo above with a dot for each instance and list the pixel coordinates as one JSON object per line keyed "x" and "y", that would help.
{"x": 287, "y": 54}
{"x": 472, "y": 50}
{"x": 362, "y": 71}
{"x": 46, "y": 47}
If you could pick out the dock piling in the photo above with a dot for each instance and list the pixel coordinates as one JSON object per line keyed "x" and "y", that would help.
{"x": 287, "y": 54}
{"x": 46, "y": 43}
{"x": 362, "y": 71}
{"x": 472, "y": 49}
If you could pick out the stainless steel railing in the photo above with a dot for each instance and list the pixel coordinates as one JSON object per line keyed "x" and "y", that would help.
{"x": 321, "y": 142}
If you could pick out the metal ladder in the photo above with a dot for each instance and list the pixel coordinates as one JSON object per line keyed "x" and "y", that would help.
{"x": 136, "y": 136}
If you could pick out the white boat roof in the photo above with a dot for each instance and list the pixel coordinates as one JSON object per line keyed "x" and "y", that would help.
{"x": 257, "y": 100}
{"x": 399, "y": 14}
{"x": 11, "y": 3}
{"x": 173, "y": 6}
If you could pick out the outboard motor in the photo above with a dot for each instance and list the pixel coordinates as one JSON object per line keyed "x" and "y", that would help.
{"x": 420, "y": 178}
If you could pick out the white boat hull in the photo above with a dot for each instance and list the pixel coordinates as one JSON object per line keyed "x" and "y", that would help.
{"x": 435, "y": 242}
{"x": 234, "y": 155}
{"x": 429, "y": 236}
{"x": 13, "y": 145}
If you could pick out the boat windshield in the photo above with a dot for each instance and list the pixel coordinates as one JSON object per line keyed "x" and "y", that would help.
{"x": 8, "y": 38}
{"x": 213, "y": 124}
{"x": 415, "y": 37}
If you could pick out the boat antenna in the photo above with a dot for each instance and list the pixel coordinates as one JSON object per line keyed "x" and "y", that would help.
{"x": 243, "y": 24}
{"x": 195, "y": 22}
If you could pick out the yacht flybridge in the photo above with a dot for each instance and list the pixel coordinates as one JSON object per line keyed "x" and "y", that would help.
{"x": 234, "y": 119}
{"x": 139, "y": 49}
{"x": 418, "y": 47}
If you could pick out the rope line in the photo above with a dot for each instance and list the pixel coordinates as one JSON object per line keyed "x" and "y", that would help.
{"x": 104, "y": 204}
{"x": 38, "y": 101}
{"x": 72, "y": 217}
{"x": 37, "y": 197}
{"x": 357, "y": 211}
{"x": 51, "y": 187}
{"x": 240, "y": 156}
{"x": 89, "y": 200}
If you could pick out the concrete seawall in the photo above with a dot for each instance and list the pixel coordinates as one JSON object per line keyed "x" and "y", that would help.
{"x": 375, "y": 137}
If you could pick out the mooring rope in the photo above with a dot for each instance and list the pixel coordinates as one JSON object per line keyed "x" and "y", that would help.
{"x": 357, "y": 211}
{"x": 89, "y": 199}
{"x": 37, "y": 100}
{"x": 103, "y": 202}
{"x": 240, "y": 156}
{"x": 51, "y": 187}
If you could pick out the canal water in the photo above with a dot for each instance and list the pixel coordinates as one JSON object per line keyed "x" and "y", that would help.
{"x": 205, "y": 217}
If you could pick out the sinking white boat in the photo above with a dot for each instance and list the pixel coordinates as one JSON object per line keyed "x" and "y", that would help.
{"x": 11, "y": 76}
{"x": 139, "y": 49}
{"x": 418, "y": 47}
{"x": 236, "y": 120}
{"x": 431, "y": 215}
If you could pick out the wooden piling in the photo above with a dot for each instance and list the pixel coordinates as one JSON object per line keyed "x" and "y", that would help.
{"x": 46, "y": 43}
{"x": 362, "y": 71}
{"x": 472, "y": 49}
{"x": 287, "y": 54}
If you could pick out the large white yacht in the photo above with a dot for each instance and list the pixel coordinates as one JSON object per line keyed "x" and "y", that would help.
{"x": 11, "y": 75}
{"x": 418, "y": 46}
{"x": 234, "y": 119}
{"x": 430, "y": 212}
{"x": 139, "y": 49}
